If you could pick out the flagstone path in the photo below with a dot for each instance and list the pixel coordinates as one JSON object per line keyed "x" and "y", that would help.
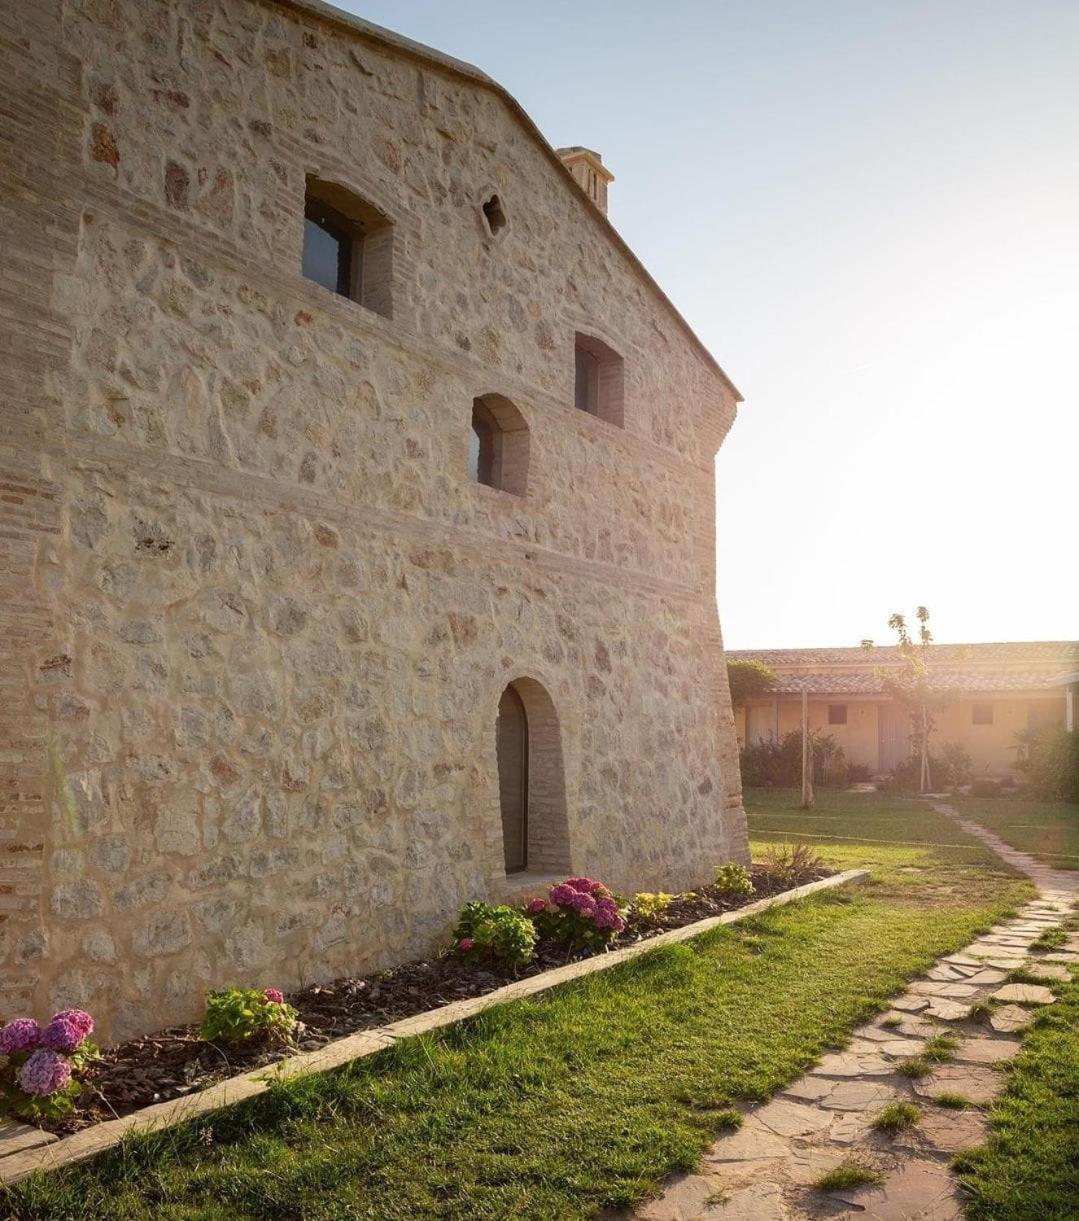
{"x": 766, "y": 1170}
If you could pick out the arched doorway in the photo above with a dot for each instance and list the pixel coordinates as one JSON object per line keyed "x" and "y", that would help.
{"x": 512, "y": 747}
{"x": 531, "y": 780}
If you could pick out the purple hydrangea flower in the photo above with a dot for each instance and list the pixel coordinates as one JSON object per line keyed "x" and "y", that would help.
{"x": 535, "y": 906}
{"x": 563, "y": 894}
{"x": 584, "y": 905}
{"x": 79, "y": 1018}
{"x": 21, "y": 1034}
{"x": 275, "y": 995}
{"x": 61, "y": 1034}
{"x": 45, "y": 1072}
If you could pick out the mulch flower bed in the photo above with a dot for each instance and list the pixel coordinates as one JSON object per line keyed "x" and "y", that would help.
{"x": 174, "y": 1062}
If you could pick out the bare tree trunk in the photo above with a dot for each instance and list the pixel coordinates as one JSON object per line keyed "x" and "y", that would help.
{"x": 807, "y": 757}
{"x": 927, "y": 783}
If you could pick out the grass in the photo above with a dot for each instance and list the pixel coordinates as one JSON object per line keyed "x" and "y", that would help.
{"x": 952, "y": 1101}
{"x": 1030, "y": 1165}
{"x": 1050, "y": 939}
{"x": 847, "y": 1177}
{"x": 1048, "y": 830}
{"x": 897, "y": 1117}
{"x": 586, "y": 1098}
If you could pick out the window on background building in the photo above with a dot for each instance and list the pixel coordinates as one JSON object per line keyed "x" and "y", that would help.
{"x": 981, "y": 714}
{"x": 347, "y": 246}
{"x": 837, "y": 714}
{"x": 598, "y": 379}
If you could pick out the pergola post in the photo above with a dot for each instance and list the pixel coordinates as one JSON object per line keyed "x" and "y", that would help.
{"x": 1069, "y": 708}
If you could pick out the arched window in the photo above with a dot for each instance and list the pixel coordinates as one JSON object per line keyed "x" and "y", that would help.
{"x": 597, "y": 385}
{"x": 348, "y": 246}
{"x": 498, "y": 445}
{"x": 531, "y": 780}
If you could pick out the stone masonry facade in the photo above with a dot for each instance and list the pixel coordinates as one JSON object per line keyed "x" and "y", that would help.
{"x": 256, "y": 616}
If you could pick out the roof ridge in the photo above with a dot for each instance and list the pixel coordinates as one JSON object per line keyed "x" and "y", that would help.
{"x": 418, "y": 50}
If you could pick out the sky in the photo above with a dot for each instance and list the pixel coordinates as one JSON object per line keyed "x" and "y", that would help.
{"x": 869, "y": 212}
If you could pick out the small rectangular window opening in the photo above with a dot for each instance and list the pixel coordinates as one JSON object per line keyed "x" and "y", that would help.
{"x": 598, "y": 379}
{"x": 347, "y": 246}
{"x": 982, "y": 714}
{"x": 837, "y": 714}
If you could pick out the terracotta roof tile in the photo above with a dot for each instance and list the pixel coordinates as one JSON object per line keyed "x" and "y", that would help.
{"x": 974, "y": 668}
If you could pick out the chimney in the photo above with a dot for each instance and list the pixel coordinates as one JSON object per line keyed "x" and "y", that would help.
{"x": 591, "y": 174}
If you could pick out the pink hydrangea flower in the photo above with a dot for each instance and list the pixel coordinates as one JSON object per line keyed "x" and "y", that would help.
{"x": 563, "y": 895}
{"x": 584, "y": 885}
{"x": 21, "y": 1034}
{"x": 274, "y": 995}
{"x": 79, "y": 1018}
{"x": 535, "y": 906}
{"x": 61, "y": 1034}
{"x": 45, "y": 1072}
{"x": 466, "y": 943}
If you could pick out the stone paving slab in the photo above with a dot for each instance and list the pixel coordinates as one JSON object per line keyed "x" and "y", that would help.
{"x": 978, "y": 1084}
{"x": 766, "y": 1171}
{"x": 1045, "y": 970}
{"x": 987, "y": 1051}
{"x": 920, "y": 1188}
{"x": 1024, "y": 994}
{"x": 1008, "y": 1018}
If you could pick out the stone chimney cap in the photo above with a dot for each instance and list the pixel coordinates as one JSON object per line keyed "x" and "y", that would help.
{"x": 578, "y": 152}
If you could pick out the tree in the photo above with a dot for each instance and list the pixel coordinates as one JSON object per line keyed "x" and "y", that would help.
{"x": 910, "y": 683}
{"x": 749, "y": 679}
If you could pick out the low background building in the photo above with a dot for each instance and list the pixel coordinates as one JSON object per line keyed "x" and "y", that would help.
{"x": 986, "y": 694}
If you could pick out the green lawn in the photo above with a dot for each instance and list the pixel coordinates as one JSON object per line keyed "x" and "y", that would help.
{"x": 586, "y": 1098}
{"x": 1030, "y": 1167}
{"x": 1048, "y": 830}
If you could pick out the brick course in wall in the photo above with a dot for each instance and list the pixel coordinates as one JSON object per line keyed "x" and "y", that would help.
{"x": 257, "y": 618}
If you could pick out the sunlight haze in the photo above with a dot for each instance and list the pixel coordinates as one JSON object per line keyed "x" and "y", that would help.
{"x": 868, "y": 212}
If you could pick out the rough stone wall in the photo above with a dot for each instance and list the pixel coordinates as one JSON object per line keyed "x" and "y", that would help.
{"x": 263, "y": 617}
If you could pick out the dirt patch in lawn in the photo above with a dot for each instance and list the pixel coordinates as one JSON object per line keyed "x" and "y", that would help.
{"x": 173, "y": 1062}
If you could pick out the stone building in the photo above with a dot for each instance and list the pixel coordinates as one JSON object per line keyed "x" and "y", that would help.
{"x": 356, "y": 511}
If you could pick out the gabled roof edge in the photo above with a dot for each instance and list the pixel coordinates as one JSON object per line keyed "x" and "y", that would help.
{"x": 458, "y": 67}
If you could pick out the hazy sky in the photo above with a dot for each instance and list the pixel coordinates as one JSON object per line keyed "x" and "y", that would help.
{"x": 869, "y": 212}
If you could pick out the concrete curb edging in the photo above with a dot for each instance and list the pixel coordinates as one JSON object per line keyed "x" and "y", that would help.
{"x": 91, "y": 1141}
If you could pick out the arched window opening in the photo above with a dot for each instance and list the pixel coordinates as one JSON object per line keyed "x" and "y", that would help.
{"x": 531, "y": 780}
{"x": 347, "y": 246}
{"x": 498, "y": 445}
{"x": 598, "y": 379}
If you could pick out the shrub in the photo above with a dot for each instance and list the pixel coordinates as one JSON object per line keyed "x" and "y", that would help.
{"x": 39, "y": 1068}
{"x": 733, "y": 879}
{"x": 772, "y": 762}
{"x": 497, "y": 933}
{"x": 955, "y": 764}
{"x": 1054, "y": 764}
{"x": 580, "y": 913}
{"x": 650, "y": 906}
{"x": 235, "y": 1016}
{"x": 789, "y": 865}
